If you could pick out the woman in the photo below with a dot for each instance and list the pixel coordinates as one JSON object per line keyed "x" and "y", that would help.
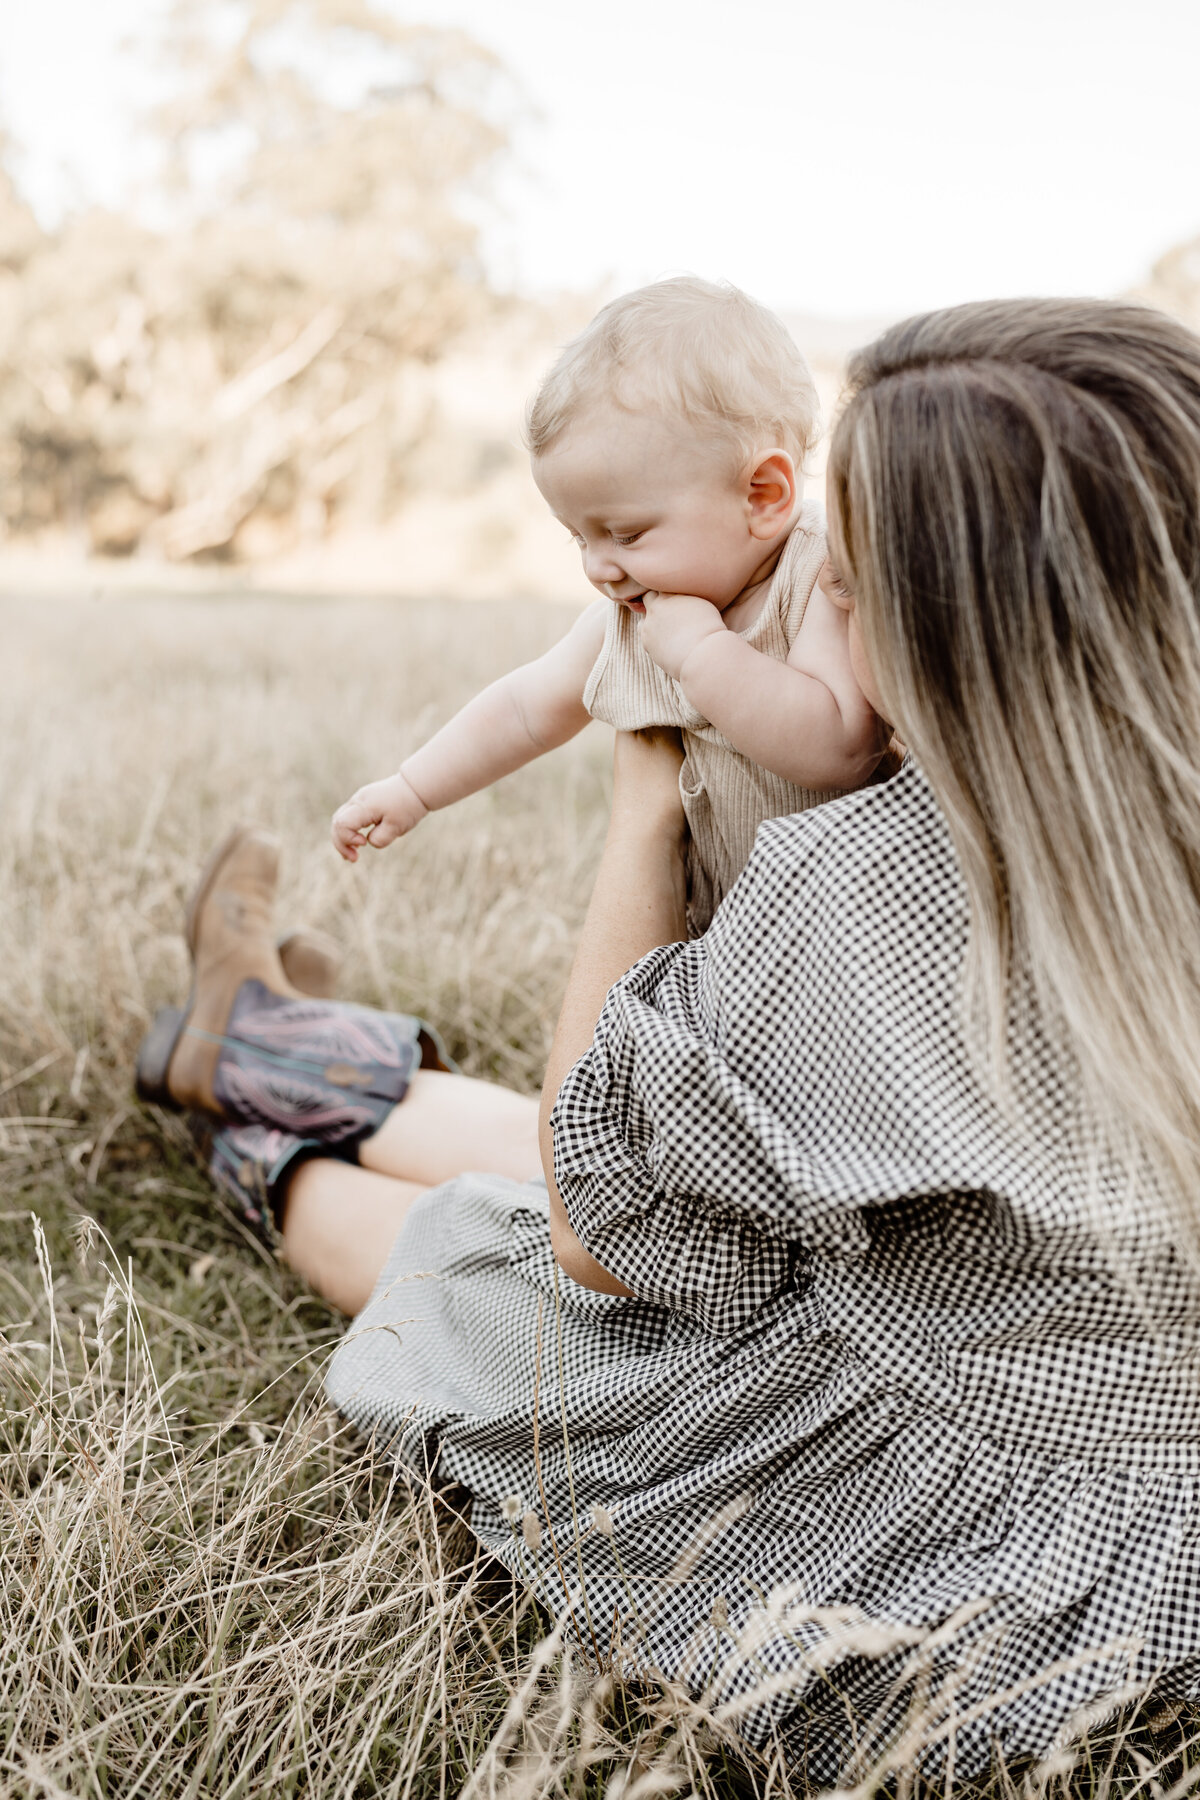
{"x": 875, "y": 1210}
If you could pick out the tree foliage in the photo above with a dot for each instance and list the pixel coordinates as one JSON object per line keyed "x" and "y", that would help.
{"x": 232, "y": 376}
{"x": 1174, "y": 283}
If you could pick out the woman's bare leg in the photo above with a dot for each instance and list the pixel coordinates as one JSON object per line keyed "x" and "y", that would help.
{"x": 447, "y": 1124}
{"x": 339, "y": 1224}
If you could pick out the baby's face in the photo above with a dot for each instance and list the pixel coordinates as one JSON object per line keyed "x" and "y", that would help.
{"x": 650, "y": 507}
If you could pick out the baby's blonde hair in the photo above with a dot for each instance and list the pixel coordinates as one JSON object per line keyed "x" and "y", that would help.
{"x": 699, "y": 351}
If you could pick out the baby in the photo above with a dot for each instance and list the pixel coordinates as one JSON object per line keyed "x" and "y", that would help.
{"x": 669, "y": 439}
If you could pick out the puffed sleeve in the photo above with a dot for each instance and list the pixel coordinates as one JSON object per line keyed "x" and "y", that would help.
{"x": 641, "y": 1138}
{"x": 748, "y": 1096}
{"x": 666, "y": 1155}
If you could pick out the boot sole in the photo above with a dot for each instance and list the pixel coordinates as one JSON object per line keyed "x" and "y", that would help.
{"x": 155, "y": 1053}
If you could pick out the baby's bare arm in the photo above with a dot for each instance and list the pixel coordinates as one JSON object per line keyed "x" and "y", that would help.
{"x": 527, "y": 712}
{"x": 806, "y": 719}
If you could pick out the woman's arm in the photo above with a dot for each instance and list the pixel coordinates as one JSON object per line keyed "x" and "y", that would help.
{"x": 527, "y": 712}
{"x": 637, "y": 904}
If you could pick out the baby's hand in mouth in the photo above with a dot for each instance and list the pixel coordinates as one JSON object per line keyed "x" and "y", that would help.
{"x": 674, "y": 625}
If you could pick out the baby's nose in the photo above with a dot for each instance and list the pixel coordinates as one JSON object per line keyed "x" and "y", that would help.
{"x": 599, "y": 565}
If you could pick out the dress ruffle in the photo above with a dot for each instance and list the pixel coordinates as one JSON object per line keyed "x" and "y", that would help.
{"x": 776, "y": 1505}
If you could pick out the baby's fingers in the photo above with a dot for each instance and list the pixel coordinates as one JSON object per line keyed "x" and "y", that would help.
{"x": 350, "y": 829}
{"x": 381, "y": 833}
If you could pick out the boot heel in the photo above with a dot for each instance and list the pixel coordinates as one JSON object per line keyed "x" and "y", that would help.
{"x": 155, "y": 1053}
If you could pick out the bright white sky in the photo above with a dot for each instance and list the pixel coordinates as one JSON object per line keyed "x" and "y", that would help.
{"x": 853, "y": 157}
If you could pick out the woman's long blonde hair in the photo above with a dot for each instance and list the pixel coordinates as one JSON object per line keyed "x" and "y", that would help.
{"x": 1015, "y": 502}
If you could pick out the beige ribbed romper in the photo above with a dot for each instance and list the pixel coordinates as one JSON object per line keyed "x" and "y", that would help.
{"x": 726, "y": 797}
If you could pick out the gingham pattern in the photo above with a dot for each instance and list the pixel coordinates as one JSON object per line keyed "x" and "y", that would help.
{"x": 880, "y": 1359}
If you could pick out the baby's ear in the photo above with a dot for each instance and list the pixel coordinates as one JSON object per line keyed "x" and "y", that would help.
{"x": 771, "y": 493}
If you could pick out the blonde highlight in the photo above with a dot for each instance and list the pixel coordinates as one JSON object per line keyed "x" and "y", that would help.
{"x": 1015, "y": 500}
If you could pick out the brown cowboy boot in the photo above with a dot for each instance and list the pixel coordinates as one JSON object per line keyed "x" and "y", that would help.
{"x": 250, "y": 1049}
{"x": 312, "y": 962}
{"x": 229, "y": 933}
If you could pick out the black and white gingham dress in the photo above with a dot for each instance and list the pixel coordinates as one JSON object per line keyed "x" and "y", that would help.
{"x": 882, "y": 1367}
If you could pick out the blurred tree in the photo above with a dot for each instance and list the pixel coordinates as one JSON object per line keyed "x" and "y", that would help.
{"x": 228, "y": 382}
{"x": 20, "y": 234}
{"x": 1174, "y": 283}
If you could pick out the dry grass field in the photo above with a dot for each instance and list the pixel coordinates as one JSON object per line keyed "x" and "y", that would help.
{"x": 209, "y": 1586}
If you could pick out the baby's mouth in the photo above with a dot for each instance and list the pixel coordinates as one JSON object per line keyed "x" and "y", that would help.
{"x": 635, "y": 602}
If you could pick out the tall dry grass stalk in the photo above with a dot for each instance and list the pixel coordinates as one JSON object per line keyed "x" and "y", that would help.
{"x": 208, "y": 1585}
{"x": 138, "y": 731}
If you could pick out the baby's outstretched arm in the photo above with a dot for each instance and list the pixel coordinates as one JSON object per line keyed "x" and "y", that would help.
{"x": 806, "y": 719}
{"x": 527, "y": 712}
